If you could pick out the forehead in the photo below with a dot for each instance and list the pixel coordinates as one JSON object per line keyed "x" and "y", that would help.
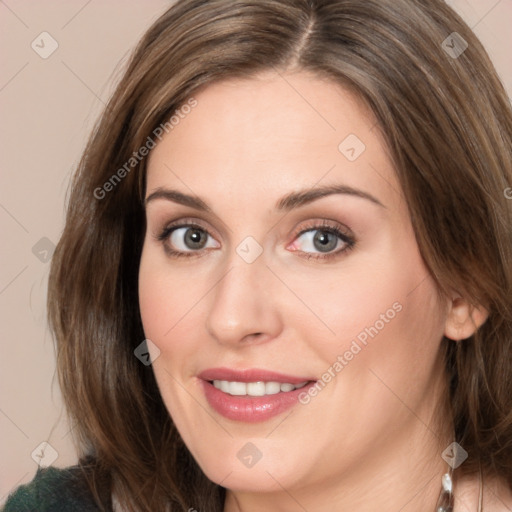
{"x": 269, "y": 133}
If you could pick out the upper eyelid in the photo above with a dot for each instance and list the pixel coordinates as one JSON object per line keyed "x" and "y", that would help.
{"x": 185, "y": 222}
{"x": 324, "y": 223}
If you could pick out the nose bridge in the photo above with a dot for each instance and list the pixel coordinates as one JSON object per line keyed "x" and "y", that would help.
{"x": 243, "y": 303}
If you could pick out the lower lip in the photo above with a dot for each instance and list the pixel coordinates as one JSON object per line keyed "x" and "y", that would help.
{"x": 251, "y": 409}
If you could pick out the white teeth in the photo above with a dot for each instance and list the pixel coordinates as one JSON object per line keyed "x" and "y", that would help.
{"x": 256, "y": 388}
{"x": 272, "y": 388}
{"x": 237, "y": 388}
{"x": 259, "y": 388}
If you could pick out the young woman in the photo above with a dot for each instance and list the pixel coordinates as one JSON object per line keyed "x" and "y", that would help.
{"x": 285, "y": 279}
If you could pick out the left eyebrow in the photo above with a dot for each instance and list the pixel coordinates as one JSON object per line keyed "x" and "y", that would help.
{"x": 303, "y": 197}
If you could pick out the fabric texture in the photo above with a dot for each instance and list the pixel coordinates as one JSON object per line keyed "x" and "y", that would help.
{"x": 52, "y": 490}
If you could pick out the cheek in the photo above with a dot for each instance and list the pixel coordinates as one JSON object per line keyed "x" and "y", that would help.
{"x": 167, "y": 297}
{"x": 361, "y": 301}
{"x": 401, "y": 326}
{"x": 155, "y": 303}
{"x": 172, "y": 308}
{"x": 167, "y": 307}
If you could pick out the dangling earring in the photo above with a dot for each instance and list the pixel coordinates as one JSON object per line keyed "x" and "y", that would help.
{"x": 445, "y": 502}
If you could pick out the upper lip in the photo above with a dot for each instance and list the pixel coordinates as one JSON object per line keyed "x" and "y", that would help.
{"x": 250, "y": 375}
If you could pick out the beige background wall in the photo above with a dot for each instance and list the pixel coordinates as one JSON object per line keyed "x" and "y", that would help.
{"x": 47, "y": 107}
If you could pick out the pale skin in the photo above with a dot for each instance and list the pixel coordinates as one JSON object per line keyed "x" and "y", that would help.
{"x": 372, "y": 439}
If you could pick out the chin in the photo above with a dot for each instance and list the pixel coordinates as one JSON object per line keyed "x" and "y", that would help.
{"x": 275, "y": 468}
{"x": 258, "y": 480}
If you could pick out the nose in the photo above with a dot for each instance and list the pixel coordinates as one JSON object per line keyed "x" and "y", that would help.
{"x": 243, "y": 305}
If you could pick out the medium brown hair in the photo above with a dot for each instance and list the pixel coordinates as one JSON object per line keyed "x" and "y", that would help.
{"x": 447, "y": 123}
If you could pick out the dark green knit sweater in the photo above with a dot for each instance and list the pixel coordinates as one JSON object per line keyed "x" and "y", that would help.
{"x": 52, "y": 490}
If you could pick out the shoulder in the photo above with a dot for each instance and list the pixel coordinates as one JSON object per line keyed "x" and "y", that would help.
{"x": 497, "y": 495}
{"x": 52, "y": 489}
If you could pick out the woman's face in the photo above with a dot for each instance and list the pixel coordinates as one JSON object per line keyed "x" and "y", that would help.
{"x": 300, "y": 266}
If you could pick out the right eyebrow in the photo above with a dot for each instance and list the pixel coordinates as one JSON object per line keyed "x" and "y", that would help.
{"x": 178, "y": 197}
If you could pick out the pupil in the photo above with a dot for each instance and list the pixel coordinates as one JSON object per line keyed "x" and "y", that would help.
{"x": 195, "y": 238}
{"x": 326, "y": 241}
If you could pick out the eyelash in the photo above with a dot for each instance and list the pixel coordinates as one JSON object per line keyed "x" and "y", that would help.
{"x": 332, "y": 227}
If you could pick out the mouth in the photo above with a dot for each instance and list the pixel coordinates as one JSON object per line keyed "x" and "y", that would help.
{"x": 252, "y": 395}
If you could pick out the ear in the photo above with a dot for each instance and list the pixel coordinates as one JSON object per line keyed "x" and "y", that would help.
{"x": 463, "y": 319}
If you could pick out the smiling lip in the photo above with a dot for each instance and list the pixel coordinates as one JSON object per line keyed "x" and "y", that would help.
{"x": 251, "y": 409}
{"x": 250, "y": 375}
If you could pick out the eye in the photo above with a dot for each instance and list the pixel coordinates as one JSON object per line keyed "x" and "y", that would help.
{"x": 322, "y": 241}
{"x": 181, "y": 239}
